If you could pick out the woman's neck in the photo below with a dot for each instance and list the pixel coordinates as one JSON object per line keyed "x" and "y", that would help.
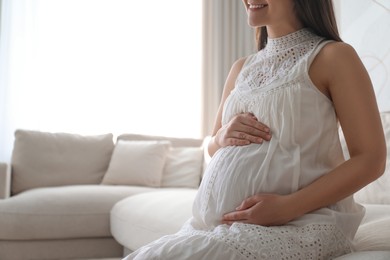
{"x": 279, "y": 30}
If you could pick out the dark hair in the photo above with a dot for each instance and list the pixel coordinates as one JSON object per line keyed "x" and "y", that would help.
{"x": 317, "y": 15}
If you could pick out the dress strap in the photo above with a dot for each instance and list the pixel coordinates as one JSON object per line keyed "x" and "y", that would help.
{"x": 316, "y": 50}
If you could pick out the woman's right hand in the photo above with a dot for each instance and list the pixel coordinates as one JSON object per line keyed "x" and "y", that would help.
{"x": 242, "y": 130}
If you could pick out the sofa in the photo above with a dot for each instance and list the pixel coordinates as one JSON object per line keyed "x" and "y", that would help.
{"x": 59, "y": 189}
{"x": 113, "y": 209}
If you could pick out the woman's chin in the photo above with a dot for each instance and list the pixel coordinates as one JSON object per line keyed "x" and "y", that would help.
{"x": 255, "y": 23}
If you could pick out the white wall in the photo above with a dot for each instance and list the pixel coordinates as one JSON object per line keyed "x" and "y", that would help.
{"x": 365, "y": 24}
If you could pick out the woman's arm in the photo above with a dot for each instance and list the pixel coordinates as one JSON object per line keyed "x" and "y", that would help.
{"x": 338, "y": 73}
{"x": 243, "y": 129}
{"x": 351, "y": 91}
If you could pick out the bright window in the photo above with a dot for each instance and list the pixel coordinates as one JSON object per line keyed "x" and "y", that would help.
{"x": 97, "y": 66}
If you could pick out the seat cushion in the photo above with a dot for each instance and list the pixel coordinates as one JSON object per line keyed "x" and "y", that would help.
{"x": 374, "y": 232}
{"x": 78, "y": 211}
{"x": 140, "y": 219}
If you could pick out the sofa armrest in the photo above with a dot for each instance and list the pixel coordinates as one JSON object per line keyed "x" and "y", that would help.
{"x": 5, "y": 180}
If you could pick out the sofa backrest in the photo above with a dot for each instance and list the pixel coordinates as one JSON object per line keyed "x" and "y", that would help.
{"x": 41, "y": 159}
{"x": 176, "y": 142}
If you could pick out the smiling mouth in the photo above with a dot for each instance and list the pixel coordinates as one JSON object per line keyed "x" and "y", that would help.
{"x": 259, "y": 6}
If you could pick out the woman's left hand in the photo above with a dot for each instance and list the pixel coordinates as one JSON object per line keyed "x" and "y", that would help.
{"x": 262, "y": 209}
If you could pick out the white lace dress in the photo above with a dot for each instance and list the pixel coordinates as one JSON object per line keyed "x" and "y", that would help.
{"x": 275, "y": 86}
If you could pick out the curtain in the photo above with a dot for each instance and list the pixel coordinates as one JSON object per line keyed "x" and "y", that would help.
{"x": 226, "y": 37}
{"x": 7, "y": 15}
{"x": 99, "y": 66}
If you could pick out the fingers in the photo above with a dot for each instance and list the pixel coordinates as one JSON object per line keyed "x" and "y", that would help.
{"x": 247, "y": 127}
{"x": 249, "y": 202}
{"x": 244, "y": 212}
{"x": 250, "y": 120}
{"x": 235, "y": 216}
{"x": 253, "y": 134}
{"x": 242, "y": 130}
{"x": 238, "y": 141}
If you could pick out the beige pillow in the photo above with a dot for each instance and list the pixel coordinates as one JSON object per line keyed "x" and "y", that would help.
{"x": 41, "y": 159}
{"x": 183, "y": 167}
{"x": 138, "y": 163}
{"x": 377, "y": 192}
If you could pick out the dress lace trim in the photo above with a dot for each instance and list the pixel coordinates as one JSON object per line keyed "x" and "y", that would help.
{"x": 313, "y": 241}
{"x": 277, "y": 59}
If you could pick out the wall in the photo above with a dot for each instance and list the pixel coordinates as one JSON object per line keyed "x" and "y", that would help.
{"x": 365, "y": 24}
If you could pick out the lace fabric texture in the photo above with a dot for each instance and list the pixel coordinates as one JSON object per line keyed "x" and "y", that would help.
{"x": 275, "y": 86}
{"x": 276, "y": 60}
{"x": 284, "y": 242}
{"x": 249, "y": 242}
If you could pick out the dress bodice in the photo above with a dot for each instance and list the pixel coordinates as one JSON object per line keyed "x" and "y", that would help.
{"x": 277, "y": 59}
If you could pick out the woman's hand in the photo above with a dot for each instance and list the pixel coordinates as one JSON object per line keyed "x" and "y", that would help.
{"x": 264, "y": 210}
{"x": 243, "y": 129}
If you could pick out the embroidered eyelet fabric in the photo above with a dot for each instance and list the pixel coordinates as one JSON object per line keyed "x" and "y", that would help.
{"x": 275, "y": 86}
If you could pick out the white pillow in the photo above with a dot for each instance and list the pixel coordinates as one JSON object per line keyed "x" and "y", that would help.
{"x": 377, "y": 192}
{"x": 138, "y": 163}
{"x": 183, "y": 167}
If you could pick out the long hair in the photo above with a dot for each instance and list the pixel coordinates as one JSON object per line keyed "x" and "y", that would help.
{"x": 317, "y": 15}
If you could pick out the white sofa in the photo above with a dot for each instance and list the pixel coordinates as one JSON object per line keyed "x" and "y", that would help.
{"x": 58, "y": 191}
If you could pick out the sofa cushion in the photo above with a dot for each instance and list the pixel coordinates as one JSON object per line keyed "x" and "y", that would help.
{"x": 137, "y": 163}
{"x": 183, "y": 167}
{"x": 140, "y": 219}
{"x": 78, "y": 211}
{"x": 374, "y": 231}
{"x": 99, "y": 248}
{"x": 377, "y": 192}
{"x": 41, "y": 159}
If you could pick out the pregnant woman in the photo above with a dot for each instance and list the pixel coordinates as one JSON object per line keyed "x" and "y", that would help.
{"x": 278, "y": 186}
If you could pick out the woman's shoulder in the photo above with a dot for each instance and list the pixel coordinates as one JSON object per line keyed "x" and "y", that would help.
{"x": 336, "y": 57}
{"x": 239, "y": 63}
{"x": 336, "y": 60}
{"x": 337, "y": 51}
{"x": 237, "y": 67}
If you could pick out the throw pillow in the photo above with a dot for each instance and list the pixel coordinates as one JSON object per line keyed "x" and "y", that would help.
{"x": 183, "y": 167}
{"x": 138, "y": 163}
{"x": 42, "y": 159}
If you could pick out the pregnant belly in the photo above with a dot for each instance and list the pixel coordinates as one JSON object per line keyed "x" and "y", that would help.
{"x": 238, "y": 172}
{"x": 233, "y": 174}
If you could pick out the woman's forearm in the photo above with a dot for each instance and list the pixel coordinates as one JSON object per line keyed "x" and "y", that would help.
{"x": 340, "y": 183}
